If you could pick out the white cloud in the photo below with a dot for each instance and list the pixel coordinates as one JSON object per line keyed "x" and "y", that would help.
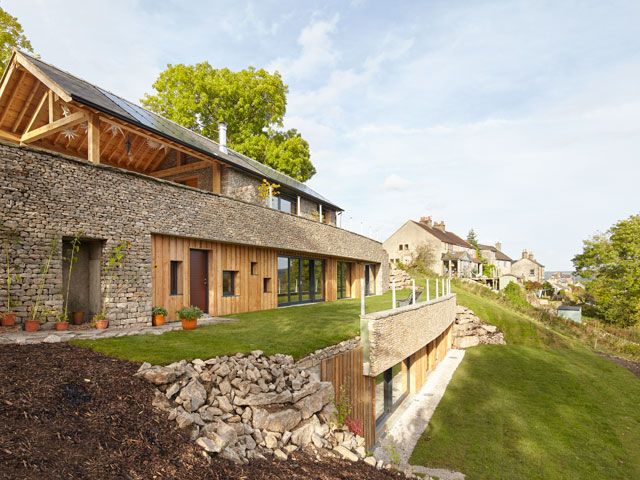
{"x": 396, "y": 183}
{"x": 316, "y": 50}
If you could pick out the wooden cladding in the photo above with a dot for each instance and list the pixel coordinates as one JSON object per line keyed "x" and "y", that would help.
{"x": 345, "y": 371}
{"x": 255, "y": 280}
{"x": 427, "y": 358}
{"x": 249, "y": 289}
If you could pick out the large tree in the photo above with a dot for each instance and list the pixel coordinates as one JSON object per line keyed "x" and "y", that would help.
{"x": 611, "y": 263}
{"x": 252, "y": 103}
{"x": 11, "y": 35}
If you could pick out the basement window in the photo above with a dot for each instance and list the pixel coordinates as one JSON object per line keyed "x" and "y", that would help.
{"x": 229, "y": 283}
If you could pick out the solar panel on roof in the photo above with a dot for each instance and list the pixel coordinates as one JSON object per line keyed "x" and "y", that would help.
{"x": 97, "y": 97}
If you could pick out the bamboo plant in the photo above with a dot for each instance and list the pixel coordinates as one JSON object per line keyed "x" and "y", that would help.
{"x": 73, "y": 258}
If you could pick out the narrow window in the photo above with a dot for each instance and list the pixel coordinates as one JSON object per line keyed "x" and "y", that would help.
{"x": 254, "y": 268}
{"x": 228, "y": 283}
{"x": 175, "y": 275}
{"x": 532, "y": 272}
{"x": 406, "y": 246}
{"x": 266, "y": 285}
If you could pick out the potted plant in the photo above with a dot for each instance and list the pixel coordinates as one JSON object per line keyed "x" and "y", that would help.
{"x": 189, "y": 317}
{"x": 78, "y": 317}
{"x": 159, "y": 316}
{"x": 72, "y": 258}
{"x": 62, "y": 323}
{"x": 32, "y": 324}
{"x": 11, "y": 238}
{"x": 100, "y": 320}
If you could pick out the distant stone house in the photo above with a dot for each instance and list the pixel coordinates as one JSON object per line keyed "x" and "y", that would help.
{"x": 496, "y": 257}
{"x": 77, "y": 158}
{"x": 452, "y": 255}
{"x": 527, "y": 268}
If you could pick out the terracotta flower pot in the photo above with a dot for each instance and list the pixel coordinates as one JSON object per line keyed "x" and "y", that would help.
{"x": 78, "y": 318}
{"x": 189, "y": 324}
{"x": 9, "y": 319}
{"x": 102, "y": 324}
{"x": 158, "y": 320}
{"x": 31, "y": 325}
{"x": 61, "y": 326}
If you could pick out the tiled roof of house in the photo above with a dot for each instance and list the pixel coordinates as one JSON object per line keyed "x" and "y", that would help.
{"x": 93, "y": 96}
{"x": 499, "y": 255}
{"x": 444, "y": 236}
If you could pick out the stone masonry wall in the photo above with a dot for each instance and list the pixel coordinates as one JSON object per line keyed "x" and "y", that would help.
{"x": 45, "y": 196}
{"x": 236, "y": 184}
{"x": 393, "y": 335}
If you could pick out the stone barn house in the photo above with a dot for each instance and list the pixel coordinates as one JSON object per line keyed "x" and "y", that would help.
{"x": 189, "y": 213}
{"x": 452, "y": 256}
{"x": 527, "y": 268}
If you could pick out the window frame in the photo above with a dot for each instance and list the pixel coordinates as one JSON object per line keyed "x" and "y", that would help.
{"x": 233, "y": 292}
{"x": 175, "y": 278}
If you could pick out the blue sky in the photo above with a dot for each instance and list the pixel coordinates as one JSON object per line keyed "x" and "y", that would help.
{"x": 518, "y": 119}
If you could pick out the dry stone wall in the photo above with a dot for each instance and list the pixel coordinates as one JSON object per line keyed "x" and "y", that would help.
{"x": 45, "y": 196}
{"x": 393, "y": 335}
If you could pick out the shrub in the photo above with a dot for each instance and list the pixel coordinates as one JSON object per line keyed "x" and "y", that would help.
{"x": 354, "y": 426}
{"x": 159, "y": 311}
{"x": 189, "y": 313}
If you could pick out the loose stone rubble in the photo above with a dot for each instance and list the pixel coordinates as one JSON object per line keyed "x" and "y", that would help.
{"x": 469, "y": 330}
{"x": 248, "y": 406}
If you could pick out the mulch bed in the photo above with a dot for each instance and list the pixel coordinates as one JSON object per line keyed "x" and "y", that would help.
{"x": 68, "y": 412}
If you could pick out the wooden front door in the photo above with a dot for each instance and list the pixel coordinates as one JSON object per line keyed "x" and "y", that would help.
{"x": 199, "y": 279}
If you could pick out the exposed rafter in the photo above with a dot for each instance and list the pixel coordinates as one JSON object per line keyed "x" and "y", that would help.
{"x": 51, "y": 128}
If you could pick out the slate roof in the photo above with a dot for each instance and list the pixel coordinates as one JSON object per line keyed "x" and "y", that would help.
{"x": 499, "y": 255}
{"x": 444, "y": 236}
{"x": 93, "y": 96}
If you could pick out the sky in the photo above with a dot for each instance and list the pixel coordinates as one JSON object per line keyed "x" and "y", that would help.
{"x": 519, "y": 119}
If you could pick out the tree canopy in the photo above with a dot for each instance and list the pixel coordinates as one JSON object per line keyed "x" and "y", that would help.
{"x": 11, "y": 35}
{"x": 472, "y": 238}
{"x": 251, "y": 101}
{"x": 611, "y": 264}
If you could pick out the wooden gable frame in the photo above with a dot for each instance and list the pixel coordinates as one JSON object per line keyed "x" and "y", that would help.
{"x": 36, "y": 111}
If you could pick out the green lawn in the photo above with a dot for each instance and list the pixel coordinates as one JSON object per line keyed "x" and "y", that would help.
{"x": 542, "y": 407}
{"x": 296, "y": 331}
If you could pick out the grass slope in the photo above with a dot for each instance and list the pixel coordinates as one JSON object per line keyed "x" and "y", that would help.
{"x": 295, "y": 331}
{"x": 542, "y": 407}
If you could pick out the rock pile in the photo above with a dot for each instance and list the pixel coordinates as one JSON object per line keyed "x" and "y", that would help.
{"x": 469, "y": 330}
{"x": 249, "y": 406}
{"x": 401, "y": 278}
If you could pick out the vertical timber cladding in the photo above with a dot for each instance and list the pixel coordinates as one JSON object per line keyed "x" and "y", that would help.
{"x": 249, "y": 288}
{"x": 250, "y": 294}
{"x": 345, "y": 372}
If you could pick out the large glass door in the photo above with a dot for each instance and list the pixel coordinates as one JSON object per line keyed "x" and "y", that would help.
{"x": 300, "y": 280}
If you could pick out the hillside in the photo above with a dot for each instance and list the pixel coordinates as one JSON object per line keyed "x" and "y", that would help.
{"x": 544, "y": 406}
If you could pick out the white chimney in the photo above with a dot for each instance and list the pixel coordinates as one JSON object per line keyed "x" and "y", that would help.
{"x": 222, "y": 137}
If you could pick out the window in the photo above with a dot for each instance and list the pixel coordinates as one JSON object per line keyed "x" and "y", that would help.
{"x": 344, "y": 280}
{"x": 406, "y": 246}
{"x": 229, "y": 283}
{"x": 300, "y": 280}
{"x": 532, "y": 272}
{"x": 254, "y": 268}
{"x": 284, "y": 203}
{"x": 392, "y": 387}
{"x": 175, "y": 277}
{"x": 400, "y": 247}
{"x": 266, "y": 285}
